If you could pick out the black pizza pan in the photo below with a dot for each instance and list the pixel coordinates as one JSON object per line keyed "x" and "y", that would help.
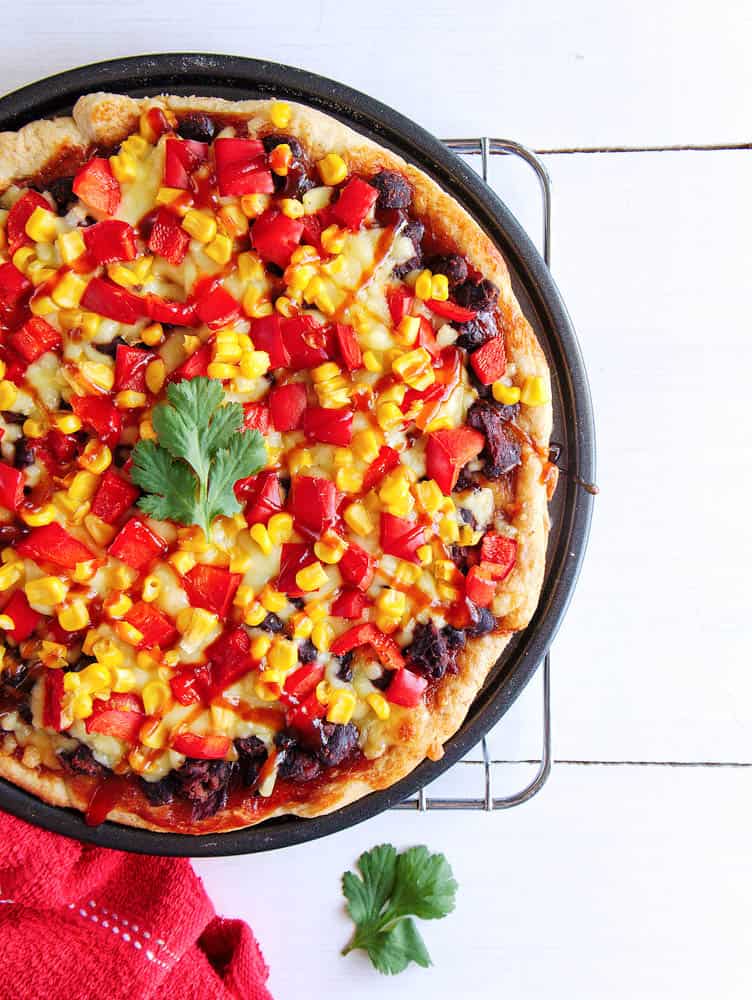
{"x": 238, "y": 78}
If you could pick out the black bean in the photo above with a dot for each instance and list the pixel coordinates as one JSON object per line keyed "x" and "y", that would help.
{"x": 307, "y": 651}
{"x": 337, "y": 743}
{"x": 61, "y": 190}
{"x": 278, "y": 139}
{"x": 197, "y": 126}
{"x": 24, "y": 453}
{"x": 272, "y": 623}
{"x": 394, "y": 190}
{"x": 345, "y": 670}
{"x": 428, "y": 653}
{"x": 13, "y": 418}
{"x": 483, "y": 621}
{"x": 111, "y": 349}
{"x": 453, "y": 265}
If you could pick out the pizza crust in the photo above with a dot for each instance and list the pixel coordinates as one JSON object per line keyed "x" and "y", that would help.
{"x": 105, "y": 120}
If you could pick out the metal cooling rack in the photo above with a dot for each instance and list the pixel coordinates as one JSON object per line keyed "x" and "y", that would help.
{"x": 482, "y": 768}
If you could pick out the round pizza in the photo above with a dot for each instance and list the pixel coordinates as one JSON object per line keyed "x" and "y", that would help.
{"x": 274, "y": 471}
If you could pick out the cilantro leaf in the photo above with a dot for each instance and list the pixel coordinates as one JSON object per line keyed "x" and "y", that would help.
{"x": 190, "y": 474}
{"x": 391, "y": 890}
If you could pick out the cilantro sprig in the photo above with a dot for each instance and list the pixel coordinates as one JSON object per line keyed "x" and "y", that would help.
{"x": 200, "y": 453}
{"x": 393, "y": 889}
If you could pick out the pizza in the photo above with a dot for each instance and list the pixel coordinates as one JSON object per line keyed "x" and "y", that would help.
{"x": 274, "y": 471}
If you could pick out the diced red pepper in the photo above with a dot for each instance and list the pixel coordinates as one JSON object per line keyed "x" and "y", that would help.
{"x": 349, "y": 604}
{"x": 211, "y": 587}
{"x": 158, "y": 122}
{"x": 406, "y": 688}
{"x": 349, "y": 348}
{"x": 212, "y": 747}
{"x": 256, "y": 417}
{"x": 480, "y": 586}
{"x": 356, "y": 200}
{"x": 448, "y": 451}
{"x": 64, "y": 447}
{"x": 197, "y": 364}
{"x": 217, "y": 308}
{"x": 266, "y": 334}
{"x": 230, "y": 658}
{"x": 301, "y": 682}
{"x": 11, "y": 486}
{"x": 34, "y": 339}
{"x": 499, "y": 554}
{"x": 312, "y": 227}
{"x": 25, "y": 618}
{"x": 304, "y": 717}
{"x": 367, "y": 634}
{"x": 136, "y": 544}
{"x": 192, "y": 685}
{"x": 427, "y": 338}
{"x": 275, "y": 236}
{"x": 262, "y": 496}
{"x": 357, "y": 567}
{"x": 328, "y": 426}
{"x": 386, "y": 460}
{"x": 14, "y": 286}
{"x": 229, "y": 150}
{"x": 400, "y": 301}
{"x": 19, "y": 215}
{"x": 313, "y": 504}
{"x": 490, "y": 361}
{"x": 110, "y": 300}
{"x": 97, "y": 187}
{"x": 53, "y": 544}
{"x": 400, "y": 537}
{"x": 100, "y": 415}
{"x": 53, "y": 699}
{"x": 295, "y": 556}
{"x": 287, "y": 404}
{"x": 182, "y": 156}
{"x": 166, "y": 311}
{"x": 130, "y": 368}
{"x": 307, "y": 343}
{"x": 451, "y": 311}
{"x": 157, "y": 629}
{"x": 121, "y": 716}
{"x": 113, "y": 497}
{"x": 168, "y": 239}
{"x": 241, "y": 167}
{"x": 110, "y": 241}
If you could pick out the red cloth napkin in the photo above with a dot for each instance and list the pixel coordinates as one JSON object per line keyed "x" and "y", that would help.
{"x": 87, "y": 923}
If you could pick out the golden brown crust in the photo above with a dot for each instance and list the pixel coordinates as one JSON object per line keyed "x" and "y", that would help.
{"x": 106, "y": 119}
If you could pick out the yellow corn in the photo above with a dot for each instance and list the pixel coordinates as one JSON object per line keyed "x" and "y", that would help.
{"x": 183, "y": 562}
{"x": 391, "y": 602}
{"x": 260, "y": 535}
{"x": 34, "y": 428}
{"x": 23, "y": 257}
{"x": 330, "y": 549}
{"x": 117, "y": 605}
{"x": 128, "y": 399}
{"x": 150, "y": 588}
{"x": 81, "y": 706}
{"x": 6, "y": 623}
{"x": 221, "y": 371}
{"x": 196, "y": 624}
{"x": 157, "y": 697}
{"x": 124, "y": 167}
{"x": 96, "y": 457}
{"x": 73, "y": 617}
{"x": 107, "y": 653}
{"x": 136, "y": 145}
{"x": 266, "y": 691}
{"x": 332, "y": 169}
{"x": 8, "y": 394}
{"x": 90, "y": 323}
{"x": 440, "y": 287}
{"x": 71, "y": 245}
{"x": 379, "y": 704}
{"x": 279, "y": 528}
{"x": 10, "y": 574}
{"x": 233, "y": 221}
{"x": 68, "y": 291}
{"x": 272, "y": 599}
{"x": 68, "y": 423}
{"x": 292, "y": 208}
{"x": 506, "y": 394}
{"x": 283, "y": 655}
{"x": 341, "y": 706}
{"x": 220, "y": 249}
{"x": 280, "y": 113}
{"x": 250, "y": 267}
{"x": 535, "y": 391}
{"x": 349, "y": 480}
{"x": 260, "y": 646}
{"x": 429, "y": 496}
{"x": 155, "y": 376}
{"x": 83, "y": 486}
{"x": 449, "y": 530}
{"x": 424, "y": 285}
{"x": 123, "y": 680}
{"x": 254, "y": 204}
{"x": 200, "y": 225}
{"x": 100, "y": 375}
{"x": 406, "y": 573}
{"x": 425, "y": 554}
{"x": 254, "y": 364}
{"x": 322, "y": 636}
{"x": 53, "y": 654}
{"x": 84, "y": 571}
{"x": 311, "y": 578}
{"x": 333, "y": 239}
{"x": 46, "y": 591}
{"x": 153, "y": 334}
{"x": 358, "y": 519}
{"x": 42, "y": 225}
{"x": 45, "y": 514}
{"x": 414, "y": 368}
{"x": 407, "y": 331}
{"x": 302, "y": 626}
{"x": 388, "y": 416}
{"x": 255, "y": 614}
{"x": 166, "y": 195}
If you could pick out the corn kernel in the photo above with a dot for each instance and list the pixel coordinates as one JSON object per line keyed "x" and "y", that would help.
{"x": 41, "y": 305}
{"x": 423, "y": 285}
{"x": 508, "y": 395}
{"x": 96, "y": 457}
{"x": 99, "y": 375}
{"x": 425, "y": 554}
{"x": 41, "y": 225}
{"x": 254, "y": 204}
{"x": 153, "y": 334}
{"x": 254, "y": 364}
{"x": 280, "y": 113}
{"x": 358, "y": 519}
{"x": 34, "y": 428}
{"x": 83, "y": 486}
{"x": 330, "y": 549}
{"x": 122, "y": 275}
{"x": 117, "y": 605}
{"x": 6, "y": 623}
{"x": 439, "y": 287}
{"x": 445, "y": 569}
{"x": 379, "y": 705}
{"x": 341, "y": 706}
{"x": 167, "y": 195}
{"x": 90, "y": 325}
{"x": 9, "y": 555}
{"x": 272, "y": 599}
{"x": 250, "y": 267}
{"x": 233, "y": 221}
{"x": 128, "y": 399}
{"x": 197, "y": 625}
{"x": 255, "y": 614}
{"x": 407, "y": 573}
{"x": 332, "y": 169}
{"x": 283, "y": 655}
{"x": 84, "y": 571}
{"x": 182, "y": 562}
{"x": 221, "y": 371}
{"x": 200, "y": 225}
{"x": 333, "y": 239}
{"x": 302, "y": 626}
{"x": 266, "y": 692}
{"x": 124, "y": 167}
{"x": 220, "y": 249}
{"x": 391, "y": 602}
{"x": 155, "y": 376}
{"x": 136, "y": 145}
{"x": 297, "y": 459}
{"x": 535, "y": 391}
{"x": 46, "y": 591}
{"x": 23, "y": 257}
{"x": 157, "y": 697}
{"x": 260, "y": 535}
{"x": 323, "y": 692}
{"x": 388, "y": 416}
{"x": 260, "y": 646}
{"x": 10, "y": 574}
{"x": 311, "y": 577}
{"x": 153, "y": 734}
{"x": 53, "y": 654}
{"x": 8, "y": 394}
{"x": 74, "y": 617}
{"x": 45, "y": 514}
{"x": 280, "y": 159}
{"x": 279, "y": 528}
{"x": 122, "y": 679}
{"x": 322, "y": 636}
{"x": 292, "y": 208}
{"x": 68, "y": 423}
{"x": 449, "y": 530}
{"x": 81, "y": 706}
{"x": 349, "y": 480}
{"x": 68, "y": 291}
{"x": 407, "y": 331}
{"x": 71, "y": 245}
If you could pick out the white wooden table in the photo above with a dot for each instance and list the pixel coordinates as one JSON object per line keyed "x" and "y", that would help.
{"x": 630, "y": 874}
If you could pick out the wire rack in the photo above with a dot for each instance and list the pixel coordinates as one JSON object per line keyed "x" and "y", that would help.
{"x": 482, "y": 767}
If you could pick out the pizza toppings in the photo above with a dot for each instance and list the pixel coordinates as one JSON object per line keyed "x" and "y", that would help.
{"x": 249, "y": 415}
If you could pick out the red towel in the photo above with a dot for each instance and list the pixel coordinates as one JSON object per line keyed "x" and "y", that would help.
{"x": 87, "y": 923}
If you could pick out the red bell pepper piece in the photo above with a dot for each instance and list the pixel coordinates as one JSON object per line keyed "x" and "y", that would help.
{"x": 287, "y": 404}
{"x": 97, "y": 187}
{"x": 212, "y": 747}
{"x": 113, "y": 497}
{"x": 182, "y": 156}
{"x": 499, "y": 554}
{"x": 357, "y": 567}
{"x": 304, "y": 717}
{"x": 448, "y": 451}
{"x": 307, "y": 343}
{"x": 168, "y": 239}
{"x": 100, "y": 415}
{"x": 121, "y": 716}
{"x": 64, "y": 447}
{"x": 400, "y": 537}
{"x": 230, "y": 659}
{"x": 217, "y": 308}
{"x": 451, "y": 311}
{"x": 34, "y": 339}
{"x": 295, "y": 556}
{"x": 266, "y": 334}
{"x": 241, "y": 167}
{"x": 234, "y": 150}
{"x": 301, "y": 682}
{"x": 406, "y": 688}
{"x": 14, "y": 286}
{"x": 130, "y": 368}
{"x": 355, "y": 201}
{"x": 400, "y": 301}
{"x": 136, "y": 544}
{"x": 480, "y": 586}
{"x": 110, "y": 300}
{"x": 192, "y": 685}
{"x": 158, "y": 122}
{"x": 328, "y": 426}
{"x": 312, "y": 227}
{"x": 427, "y": 338}
{"x": 349, "y": 348}
{"x": 25, "y": 618}
{"x": 262, "y": 496}
{"x": 490, "y": 361}
{"x": 53, "y": 544}
{"x": 313, "y": 504}
{"x": 19, "y": 215}
{"x": 211, "y": 587}
{"x": 11, "y": 486}
{"x": 275, "y": 236}
{"x": 256, "y": 417}
{"x": 53, "y": 699}
{"x": 367, "y": 634}
{"x": 157, "y": 629}
{"x": 349, "y": 604}
{"x": 110, "y": 241}
{"x": 166, "y": 311}
{"x": 386, "y": 460}
{"x": 197, "y": 364}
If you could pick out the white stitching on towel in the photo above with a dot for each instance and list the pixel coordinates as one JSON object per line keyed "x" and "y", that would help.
{"x": 113, "y": 924}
